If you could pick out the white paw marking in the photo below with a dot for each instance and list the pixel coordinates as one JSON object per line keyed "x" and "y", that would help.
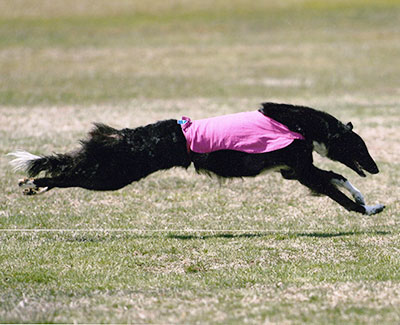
{"x": 359, "y": 198}
{"x": 373, "y": 209}
{"x": 357, "y": 195}
{"x": 41, "y": 190}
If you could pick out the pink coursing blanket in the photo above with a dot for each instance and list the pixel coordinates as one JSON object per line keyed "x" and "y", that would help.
{"x": 250, "y": 132}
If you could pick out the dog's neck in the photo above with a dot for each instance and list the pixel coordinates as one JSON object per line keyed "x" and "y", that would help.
{"x": 317, "y": 127}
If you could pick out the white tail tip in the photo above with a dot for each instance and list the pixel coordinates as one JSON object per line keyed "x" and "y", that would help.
{"x": 22, "y": 159}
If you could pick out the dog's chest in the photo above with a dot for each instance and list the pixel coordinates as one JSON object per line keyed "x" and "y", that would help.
{"x": 320, "y": 148}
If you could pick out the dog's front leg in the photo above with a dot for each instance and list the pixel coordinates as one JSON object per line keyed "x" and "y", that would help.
{"x": 325, "y": 182}
{"x": 336, "y": 195}
{"x": 348, "y": 204}
{"x": 357, "y": 195}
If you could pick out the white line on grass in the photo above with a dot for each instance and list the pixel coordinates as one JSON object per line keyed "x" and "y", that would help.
{"x": 134, "y": 230}
{"x": 121, "y": 230}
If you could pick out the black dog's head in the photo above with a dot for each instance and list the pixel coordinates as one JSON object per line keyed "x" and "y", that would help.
{"x": 347, "y": 147}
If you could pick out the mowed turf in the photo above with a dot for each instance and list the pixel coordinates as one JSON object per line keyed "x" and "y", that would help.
{"x": 178, "y": 247}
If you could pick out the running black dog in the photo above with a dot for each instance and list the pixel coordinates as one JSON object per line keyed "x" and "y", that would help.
{"x": 111, "y": 159}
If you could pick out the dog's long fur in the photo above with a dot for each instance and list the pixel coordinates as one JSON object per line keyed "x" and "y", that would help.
{"x": 111, "y": 159}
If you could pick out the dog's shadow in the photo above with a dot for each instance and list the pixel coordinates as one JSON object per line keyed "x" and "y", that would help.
{"x": 280, "y": 235}
{"x": 95, "y": 238}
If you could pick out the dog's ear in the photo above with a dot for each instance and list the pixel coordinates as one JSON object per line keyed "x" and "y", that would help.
{"x": 349, "y": 126}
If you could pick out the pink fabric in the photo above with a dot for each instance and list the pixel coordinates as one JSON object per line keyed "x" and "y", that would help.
{"x": 251, "y": 132}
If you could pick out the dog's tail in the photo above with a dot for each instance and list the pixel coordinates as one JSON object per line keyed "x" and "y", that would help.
{"x": 33, "y": 165}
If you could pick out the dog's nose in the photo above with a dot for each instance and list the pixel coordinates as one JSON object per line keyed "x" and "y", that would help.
{"x": 373, "y": 169}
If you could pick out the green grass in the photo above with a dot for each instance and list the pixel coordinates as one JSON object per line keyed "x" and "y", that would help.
{"x": 178, "y": 247}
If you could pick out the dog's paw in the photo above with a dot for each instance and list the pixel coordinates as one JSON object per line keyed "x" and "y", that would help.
{"x": 26, "y": 183}
{"x": 29, "y": 191}
{"x": 359, "y": 198}
{"x": 373, "y": 209}
{"x": 29, "y": 188}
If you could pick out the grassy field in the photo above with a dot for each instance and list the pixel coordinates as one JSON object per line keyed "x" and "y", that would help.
{"x": 178, "y": 247}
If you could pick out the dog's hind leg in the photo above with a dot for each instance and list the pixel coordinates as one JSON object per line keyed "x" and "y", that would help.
{"x": 30, "y": 188}
{"x": 35, "y": 186}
